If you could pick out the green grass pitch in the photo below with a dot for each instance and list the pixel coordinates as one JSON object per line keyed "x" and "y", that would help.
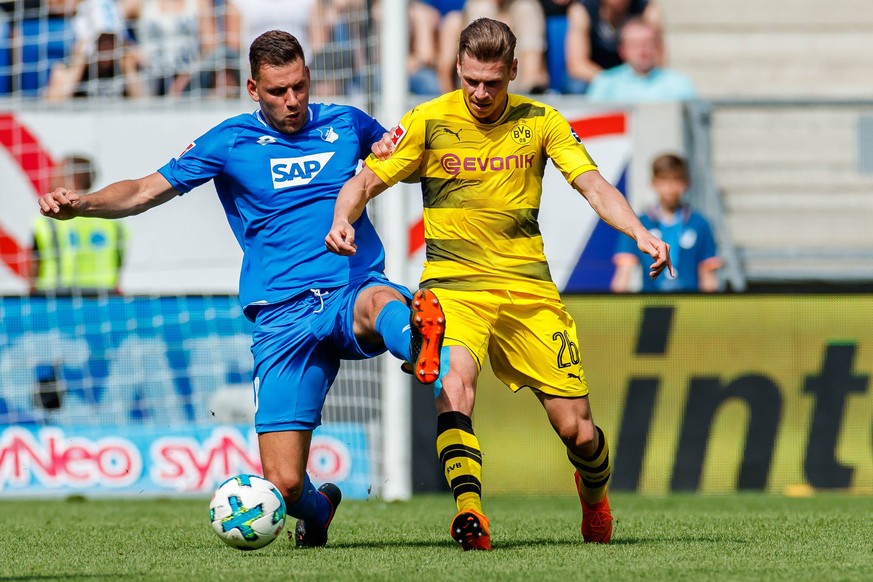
{"x": 675, "y": 538}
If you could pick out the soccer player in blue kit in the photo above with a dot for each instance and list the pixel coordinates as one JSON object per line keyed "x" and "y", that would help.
{"x": 277, "y": 172}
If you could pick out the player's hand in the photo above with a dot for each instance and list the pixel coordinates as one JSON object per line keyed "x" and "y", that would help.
{"x": 383, "y": 148}
{"x": 61, "y": 204}
{"x": 659, "y": 251}
{"x": 341, "y": 239}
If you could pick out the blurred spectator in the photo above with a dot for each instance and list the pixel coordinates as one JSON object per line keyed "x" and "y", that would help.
{"x": 526, "y": 19}
{"x": 39, "y": 34}
{"x": 220, "y": 73}
{"x": 432, "y": 43}
{"x": 639, "y": 78}
{"x": 82, "y": 255}
{"x": 331, "y": 31}
{"x": 338, "y": 34}
{"x": 102, "y": 63}
{"x": 692, "y": 244}
{"x": 592, "y": 36}
{"x": 555, "y": 12}
{"x": 174, "y": 37}
{"x": 252, "y": 18}
{"x": 5, "y": 54}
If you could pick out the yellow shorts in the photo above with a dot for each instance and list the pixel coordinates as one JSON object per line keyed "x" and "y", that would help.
{"x": 530, "y": 340}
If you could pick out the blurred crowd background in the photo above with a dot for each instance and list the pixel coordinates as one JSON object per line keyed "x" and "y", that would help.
{"x": 60, "y": 49}
{"x": 774, "y": 97}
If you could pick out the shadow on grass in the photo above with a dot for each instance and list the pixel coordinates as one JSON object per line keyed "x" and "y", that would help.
{"x": 526, "y": 543}
{"x": 676, "y": 539}
{"x": 54, "y": 577}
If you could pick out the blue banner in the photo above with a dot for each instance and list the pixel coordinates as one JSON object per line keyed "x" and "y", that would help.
{"x": 119, "y": 360}
{"x": 98, "y": 461}
{"x": 147, "y": 395}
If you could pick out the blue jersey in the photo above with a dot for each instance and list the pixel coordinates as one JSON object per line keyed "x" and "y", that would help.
{"x": 278, "y": 191}
{"x": 691, "y": 243}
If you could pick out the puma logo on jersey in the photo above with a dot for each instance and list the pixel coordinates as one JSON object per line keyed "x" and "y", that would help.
{"x": 291, "y": 172}
{"x": 457, "y": 134}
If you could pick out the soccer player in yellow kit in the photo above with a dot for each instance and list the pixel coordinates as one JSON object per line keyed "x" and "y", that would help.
{"x": 481, "y": 153}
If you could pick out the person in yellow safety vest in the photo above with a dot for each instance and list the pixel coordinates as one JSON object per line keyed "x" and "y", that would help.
{"x": 82, "y": 255}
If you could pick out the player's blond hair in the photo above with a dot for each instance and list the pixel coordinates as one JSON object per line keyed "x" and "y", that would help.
{"x": 488, "y": 41}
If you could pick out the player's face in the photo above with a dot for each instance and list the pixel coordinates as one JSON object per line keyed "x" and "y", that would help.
{"x": 485, "y": 86}
{"x": 283, "y": 94}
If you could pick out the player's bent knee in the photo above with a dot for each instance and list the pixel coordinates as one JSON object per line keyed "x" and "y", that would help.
{"x": 290, "y": 486}
{"x": 384, "y": 296}
{"x": 577, "y": 435}
{"x": 586, "y": 436}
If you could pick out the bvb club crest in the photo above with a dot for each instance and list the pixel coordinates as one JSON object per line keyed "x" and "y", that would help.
{"x": 521, "y": 134}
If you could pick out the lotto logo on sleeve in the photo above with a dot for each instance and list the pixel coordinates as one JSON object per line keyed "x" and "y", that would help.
{"x": 291, "y": 172}
{"x": 397, "y": 134}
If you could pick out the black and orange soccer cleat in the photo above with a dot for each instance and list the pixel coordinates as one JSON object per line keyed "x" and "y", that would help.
{"x": 428, "y": 326}
{"x": 596, "y": 518}
{"x": 471, "y": 529}
{"x": 310, "y": 536}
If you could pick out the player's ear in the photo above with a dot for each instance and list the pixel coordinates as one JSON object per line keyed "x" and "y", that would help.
{"x": 513, "y": 70}
{"x": 252, "y": 88}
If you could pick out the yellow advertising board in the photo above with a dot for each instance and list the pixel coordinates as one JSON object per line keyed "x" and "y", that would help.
{"x": 704, "y": 393}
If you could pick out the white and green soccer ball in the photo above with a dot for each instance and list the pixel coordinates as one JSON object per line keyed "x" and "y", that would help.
{"x": 247, "y": 512}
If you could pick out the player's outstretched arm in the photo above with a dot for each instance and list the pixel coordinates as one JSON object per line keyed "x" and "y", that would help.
{"x": 612, "y": 207}
{"x": 124, "y": 198}
{"x": 350, "y": 204}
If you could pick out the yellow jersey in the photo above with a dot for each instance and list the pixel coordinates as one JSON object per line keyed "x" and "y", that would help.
{"x": 481, "y": 187}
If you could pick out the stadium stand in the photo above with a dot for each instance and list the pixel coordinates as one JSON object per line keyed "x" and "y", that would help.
{"x": 787, "y": 130}
{"x": 41, "y": 39}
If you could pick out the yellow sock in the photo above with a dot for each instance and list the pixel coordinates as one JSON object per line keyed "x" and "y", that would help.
{"x": 459, "y": 453}
{"x": 594, "y": 470}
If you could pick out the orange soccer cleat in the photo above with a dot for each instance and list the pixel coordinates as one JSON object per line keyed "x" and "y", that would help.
{"x": 428, "y": 325}
{"x": 596, "y": 518}
{"x": 470, "y": 529}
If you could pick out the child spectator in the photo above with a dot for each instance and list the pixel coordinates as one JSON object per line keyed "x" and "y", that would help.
{"x": 692, "y": 244}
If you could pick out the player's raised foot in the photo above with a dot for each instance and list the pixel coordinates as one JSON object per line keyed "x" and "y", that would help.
{"x": 470, "y": 529}
{"x": 308, "y": 535}
{"x": 428, "y": 326}
{"x": 596, "y": 518}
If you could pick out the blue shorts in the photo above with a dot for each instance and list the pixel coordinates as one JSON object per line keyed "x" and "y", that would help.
{"x": 298, "y": 345}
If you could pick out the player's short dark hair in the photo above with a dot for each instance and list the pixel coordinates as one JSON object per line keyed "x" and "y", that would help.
{"x": 274, "y": 48}
{"x": 487, "y": 40}
{"x": 81, "y": 170}
{"x": 670, "y": 164}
